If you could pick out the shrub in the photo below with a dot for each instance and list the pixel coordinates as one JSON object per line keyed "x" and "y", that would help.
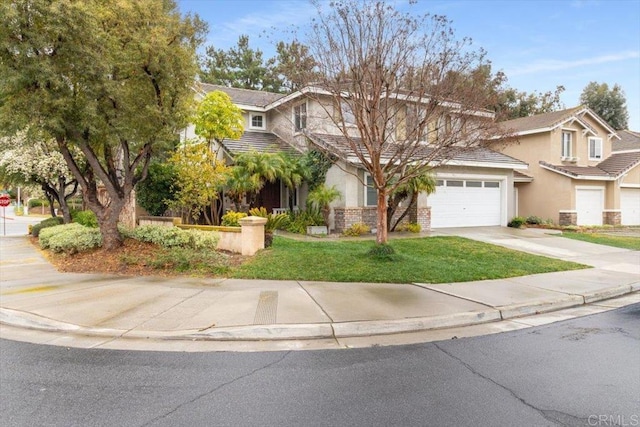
{"x": 86, "y": 218}
{"x": 357, "y": 229}
{"x": 274, "y": 222}
{"x": 232, "y": 218}
{"x": 199, "y": 261}
{"x": 170, "y": 237}
{"x": 70, "y": 238}
{"x": 412, "y": 227}
{"x": 34, "y": 203}
{"x": 299, "y": 221}
{"x": 516, "y": 222}
{"x": 49, "y": 222}
{"x": 534, "y": 220}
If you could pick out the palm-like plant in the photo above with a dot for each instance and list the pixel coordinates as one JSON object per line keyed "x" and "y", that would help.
{"x": 424, "y": 183}
{"x": 322, "y": 197}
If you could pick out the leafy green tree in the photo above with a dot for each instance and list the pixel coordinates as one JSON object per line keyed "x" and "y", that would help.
{"x": 240, "y": 67}
{"x": 610, "y": 104}
{"x": 111, "y": 79}
{"x": 218, "y": 118}
{"x": 157, "y": 191}
{"x": 246, "y": 68}
{"x": 199, "y": 180}
{"x": 292, "y": 65}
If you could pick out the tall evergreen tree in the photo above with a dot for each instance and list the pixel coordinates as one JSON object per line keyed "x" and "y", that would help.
{"x": 610, "y": 104}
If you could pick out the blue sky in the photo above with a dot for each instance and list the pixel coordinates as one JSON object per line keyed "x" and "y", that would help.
{"x": 538, "y": 44}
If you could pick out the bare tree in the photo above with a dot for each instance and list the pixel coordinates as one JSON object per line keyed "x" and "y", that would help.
{"x": 408, "y": 86}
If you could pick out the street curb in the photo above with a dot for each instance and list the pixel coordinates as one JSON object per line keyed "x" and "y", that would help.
{"x": 282, "y": 332}
{"x": 527, "y": 309}
{"x": 415, "y": 324}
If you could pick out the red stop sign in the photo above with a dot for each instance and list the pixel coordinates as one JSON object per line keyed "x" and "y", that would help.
{"x": 5, "y": 200}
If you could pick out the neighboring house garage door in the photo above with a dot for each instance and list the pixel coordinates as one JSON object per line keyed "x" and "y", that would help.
{"x": 630, "y": 206}
{"x": 589, "y": 205}
{"x": 466, "y": 203}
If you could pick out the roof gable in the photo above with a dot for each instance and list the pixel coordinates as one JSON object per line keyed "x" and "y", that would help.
{"x": 550, "y": 121}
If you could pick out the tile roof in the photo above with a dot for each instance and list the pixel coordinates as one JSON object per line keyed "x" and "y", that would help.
{"x": 255, "y": 98}
{"x": 619, "y": 163}
{"x": 540, "y": 121}
{"x": 611, "y": 167}
{"x": 554, "y": 119}
{"x": 629, "y": 140}
{"x": 256, "y": 141}
{"x": 338, "y": 144}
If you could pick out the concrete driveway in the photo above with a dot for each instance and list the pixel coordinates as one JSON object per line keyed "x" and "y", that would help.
{"x": 550, "y": 243}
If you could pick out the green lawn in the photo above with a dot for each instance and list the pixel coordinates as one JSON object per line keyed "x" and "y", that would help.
{"x": 425, "y": 260}
{"x": 625, "y": 242}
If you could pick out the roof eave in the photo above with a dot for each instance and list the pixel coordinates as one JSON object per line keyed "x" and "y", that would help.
{"x": 580, "y": 177}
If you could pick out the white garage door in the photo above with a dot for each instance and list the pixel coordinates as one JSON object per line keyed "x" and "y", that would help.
{"x": 466, "y": 203}
{"x": 589, "y": 205}
{"x": 630, "y": 206}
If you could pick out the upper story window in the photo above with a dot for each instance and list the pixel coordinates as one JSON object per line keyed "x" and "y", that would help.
{"x": 595, "y": 148}
{"x": 345, "y": 114}
{"x": 256, "y": 121}
{"x": 370, "y": 193}
{"x": 567, "y": 142}
{"x": 300, "y": 116}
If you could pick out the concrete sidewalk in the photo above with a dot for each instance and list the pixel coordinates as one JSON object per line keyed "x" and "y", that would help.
{"x": 111, "y": 310}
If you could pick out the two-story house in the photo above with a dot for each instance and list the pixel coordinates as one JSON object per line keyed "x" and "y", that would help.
{"x": 574, "y": 176}
{"x": 474, "y": 187}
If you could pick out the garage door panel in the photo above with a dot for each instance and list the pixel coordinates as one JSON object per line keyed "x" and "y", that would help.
{"x": 630, "y": 206}
{"x": 589, "y": 206}
{"x": 466, "y": 206}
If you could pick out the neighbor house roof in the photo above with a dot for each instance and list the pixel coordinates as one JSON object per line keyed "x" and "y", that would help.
{"x": 550, "y": 121}
{"x": 609, "y": 169}
{"x": 629, "y": 141}
{"x": 262, "y": 142}
{"x": 245, "y": 97}
{"x": 474, "y": 156}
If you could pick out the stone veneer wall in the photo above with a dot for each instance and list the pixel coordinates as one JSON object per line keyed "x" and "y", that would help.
{"x": 568, "y": 218}
{"x": 612, "y": 217}
{"x": 346, "y": 217}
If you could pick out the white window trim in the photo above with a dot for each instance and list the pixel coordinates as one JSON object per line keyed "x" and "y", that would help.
{"x": 264, "y": 121}
{"x": 366, "y": 187}
{"x": 306, "y": 116}
{"x": 598, "y": 141}
{"x": 570, "y": 153}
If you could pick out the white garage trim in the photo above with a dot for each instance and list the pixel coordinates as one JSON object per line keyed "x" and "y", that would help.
{"x": 630, "y": 206}
{"x": 475, "y": 200}
{"x": 589, "y": 205}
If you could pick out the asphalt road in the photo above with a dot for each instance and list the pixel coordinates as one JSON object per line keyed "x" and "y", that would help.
{"x": 582, "y": 372}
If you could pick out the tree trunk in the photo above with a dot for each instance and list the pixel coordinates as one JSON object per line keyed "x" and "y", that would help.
{"x": 111, "y": 237}
{"x": 381, "y": 231}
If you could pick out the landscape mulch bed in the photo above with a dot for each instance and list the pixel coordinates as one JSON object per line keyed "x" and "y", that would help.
{"x": 113, "y": 261}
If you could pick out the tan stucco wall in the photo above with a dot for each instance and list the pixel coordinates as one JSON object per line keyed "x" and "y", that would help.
{"x": 632, "y": 177}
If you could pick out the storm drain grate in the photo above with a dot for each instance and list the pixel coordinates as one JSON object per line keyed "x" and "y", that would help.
{"x": 267, "y": 308}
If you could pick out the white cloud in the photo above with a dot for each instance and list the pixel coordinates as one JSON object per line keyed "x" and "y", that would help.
{"x": 556, "y": 65}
